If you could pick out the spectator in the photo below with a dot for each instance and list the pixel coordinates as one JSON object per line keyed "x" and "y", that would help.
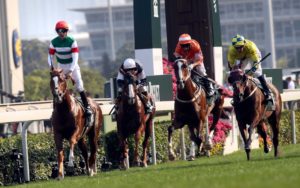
{"x": 290, "y": 85}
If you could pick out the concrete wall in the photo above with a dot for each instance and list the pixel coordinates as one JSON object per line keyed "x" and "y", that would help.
{"x": 11, "y": 75}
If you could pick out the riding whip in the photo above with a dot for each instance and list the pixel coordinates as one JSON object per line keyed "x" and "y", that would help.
{"x": 258, "y": 62}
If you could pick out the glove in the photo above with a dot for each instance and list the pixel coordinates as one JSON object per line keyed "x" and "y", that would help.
{"x": 253, "y": 69}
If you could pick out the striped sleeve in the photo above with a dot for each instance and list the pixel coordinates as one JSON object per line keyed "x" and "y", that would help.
{"x": 51, "y": 49}
{"x": 75, "y": 48}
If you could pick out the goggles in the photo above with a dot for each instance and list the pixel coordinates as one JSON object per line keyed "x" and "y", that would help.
{"x": 61, "y": 30}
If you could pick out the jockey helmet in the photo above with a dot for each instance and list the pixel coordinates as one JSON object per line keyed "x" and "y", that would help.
{"x": 184, "y": 39}
{"x": 129, "y": 64}
{"x": 238, "y": 41}
{"x": 61, "y": 25}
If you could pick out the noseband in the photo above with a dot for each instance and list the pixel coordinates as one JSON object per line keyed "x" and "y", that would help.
{"x": 181, "y": 81}
{"x": 244, "y": 84}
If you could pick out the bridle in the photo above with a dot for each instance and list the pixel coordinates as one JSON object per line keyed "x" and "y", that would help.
{"x": 239, "y": 83}
{"x": 181, "y": 80}
{"x": 58, "y": 96}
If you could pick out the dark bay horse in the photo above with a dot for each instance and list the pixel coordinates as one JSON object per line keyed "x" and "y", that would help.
{"x": 68, "y": 123}
{"x": 250, "y": 109}
{"x": 131, "y": 119}
{"x": 191, "y": 108}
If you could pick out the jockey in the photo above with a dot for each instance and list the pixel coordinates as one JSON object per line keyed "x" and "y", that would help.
{"x": 241, "y": 53}
{"x": 190, "y": 50}
{"x": 66, "y": 51}
{"x": 133, "y": 65}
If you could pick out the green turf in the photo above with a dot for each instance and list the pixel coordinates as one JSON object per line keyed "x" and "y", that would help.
{"x": 230, "y": 171}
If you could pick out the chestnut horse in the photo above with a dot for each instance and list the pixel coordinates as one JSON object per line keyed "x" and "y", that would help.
{"x": 131, "y": 119}
{"x": 191, "y": 108}
{"x": 250, "y": 109}
{"x": 68, "y": 122}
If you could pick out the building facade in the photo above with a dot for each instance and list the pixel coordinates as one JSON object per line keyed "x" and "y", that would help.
{"x": 246, "y": 17}
{"x": 99, "y": 29}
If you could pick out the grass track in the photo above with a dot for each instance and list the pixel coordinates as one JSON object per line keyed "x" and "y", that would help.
{"x": 230, "y": 171}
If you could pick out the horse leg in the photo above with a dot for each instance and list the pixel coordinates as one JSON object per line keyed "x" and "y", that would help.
{"x": 71, "y": 153}
{"x": 171, "y": 128}
{"x": 83, "y": 148}
{"x": 93, "y": 153}
{"x": 243, "y": 130}
{"x": 124, "y": 153}
{"x": 195, "y": 139}
{"x": 137, "y": 137}
{"x": 274, "y": 122}
{"x": 261, "y": 129}
{"x": 60, "y": 155}
{"x": 146, "y": 141}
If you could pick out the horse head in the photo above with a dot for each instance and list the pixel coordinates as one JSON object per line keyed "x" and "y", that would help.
{"x": 182, "y": 72}
{"x": 238, "y": 79}
{"x": 58, "y": 84}
{"x": 130, "y": 80}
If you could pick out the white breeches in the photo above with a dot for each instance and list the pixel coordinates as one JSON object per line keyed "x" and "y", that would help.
{"x": 76, "y": 75}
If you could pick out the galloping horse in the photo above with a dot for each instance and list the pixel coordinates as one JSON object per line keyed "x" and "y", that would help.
{"x": 131, "y": 119}
{"x": 68, "y": 122}
{"x": 191, "y": 107}
{"x": 250, "y": 109}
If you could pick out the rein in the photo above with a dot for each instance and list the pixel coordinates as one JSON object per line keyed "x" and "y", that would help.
{"x": 196, "y": 94}
{"x": 252, "y": 92}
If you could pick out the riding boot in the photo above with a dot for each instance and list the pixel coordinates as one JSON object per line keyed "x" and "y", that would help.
{"x": 266, "y": 89}
{"x": 209, "y": 91}
{"x": 88, "y": 110}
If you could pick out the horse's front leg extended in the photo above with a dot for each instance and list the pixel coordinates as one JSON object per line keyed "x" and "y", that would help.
{"x": 137, "y": 138}
{"x": 60, "y": 155}
{"x": 243, "y": 130}
{"x": 262, "y": 131}
{"x": 83, "y": 148}
{"x": 170, "y": 146}
{"x": 124, "y": 160}
{"x": 71, "y": 153}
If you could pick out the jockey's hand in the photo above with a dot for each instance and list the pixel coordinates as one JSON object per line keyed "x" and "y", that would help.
{"x": 253, "y": 69}
{"x": 69, "y": 74}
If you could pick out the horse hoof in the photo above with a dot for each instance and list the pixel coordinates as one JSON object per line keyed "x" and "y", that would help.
{"x": 190, "y": 158}
{"x": 59, "y": 178}
{"x": 208, "y": 147}
{"x": 171, "y": 157}
{"x": 266, "y": 150}
{"x": 144, "y": 165}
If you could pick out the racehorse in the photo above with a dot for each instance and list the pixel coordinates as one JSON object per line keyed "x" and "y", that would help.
{"x": 68, "y": 122}
{"x": 250, "y": 109}
{"x": 131, "y": 119}
{"x": 191, "y": 108}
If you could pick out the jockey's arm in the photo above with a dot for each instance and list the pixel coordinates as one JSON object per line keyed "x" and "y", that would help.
{"x": 75, "y": 55}
{"x": 198, "y": 60}
{"x": 51, "y": 55}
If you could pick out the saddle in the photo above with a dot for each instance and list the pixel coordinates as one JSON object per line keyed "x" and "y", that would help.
{"x": 270, "y": 107}
{"x": 88, "y": 121}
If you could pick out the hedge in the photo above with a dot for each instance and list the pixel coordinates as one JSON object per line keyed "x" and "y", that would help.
{"x": 42, "y": 153}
